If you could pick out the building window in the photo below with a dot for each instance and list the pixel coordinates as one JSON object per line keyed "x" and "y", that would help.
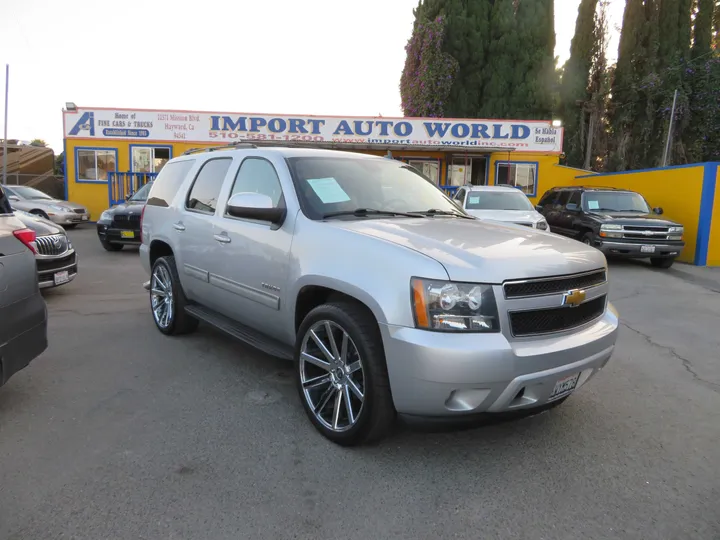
{"x": 520, "y": 175}
{"x": 431, "y": 169}
{"x": 149, "y": 159}
{"x": 94, "y": 165}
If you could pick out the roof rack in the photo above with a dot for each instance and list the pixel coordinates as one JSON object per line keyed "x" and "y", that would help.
{"x": 230, "y": 146}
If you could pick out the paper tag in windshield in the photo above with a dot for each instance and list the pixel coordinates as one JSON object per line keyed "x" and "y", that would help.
{"x": 328, "y": 190}
{"x": 593, "y": 205}
{"x": 474, "y": 200}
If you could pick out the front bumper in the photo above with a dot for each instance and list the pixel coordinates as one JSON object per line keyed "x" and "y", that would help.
{"x": 433, "y": 374}
{"x": 108, "y": 233}
{"x": 69, "y": 218}
{"x": 51, "y": 270}
{"x": 618, "y": 248}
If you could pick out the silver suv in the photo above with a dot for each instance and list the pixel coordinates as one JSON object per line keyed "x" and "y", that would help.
{"x": 388, "y": 298}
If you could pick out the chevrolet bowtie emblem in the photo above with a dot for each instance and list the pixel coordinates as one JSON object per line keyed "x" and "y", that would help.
{"x": 573, "y": 298}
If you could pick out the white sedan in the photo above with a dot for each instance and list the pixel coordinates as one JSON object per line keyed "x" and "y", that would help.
{"x": 500, "y": 203}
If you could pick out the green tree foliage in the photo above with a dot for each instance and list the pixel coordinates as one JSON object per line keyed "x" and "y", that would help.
{"x": 574, "y": 88}
{"x": 703, "y": 31}
{"x": 503, "y": 50}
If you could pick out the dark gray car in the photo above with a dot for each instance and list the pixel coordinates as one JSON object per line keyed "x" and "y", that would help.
{"x": 23, "y": 313}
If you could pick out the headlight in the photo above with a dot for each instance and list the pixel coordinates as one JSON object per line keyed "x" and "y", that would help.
{"x": 106, "y": 216}
{"x": 611, "y": 231}
{"x": 542, "y": 225}
{"x": 59, "y": 208}
{"x": 676, "y": 230}
{"x": 454, "y": 307}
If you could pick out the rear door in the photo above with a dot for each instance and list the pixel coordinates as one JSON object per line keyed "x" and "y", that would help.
{"x": 554, "y": 214}
{"x": 250, "y": 261}
{"x": 194, "y": 229}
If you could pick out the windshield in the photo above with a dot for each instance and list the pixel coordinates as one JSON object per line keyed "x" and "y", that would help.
{"x": 497, "y": 200}
{"x": 328, "y": 185}
{"x": 25, "y": 192}
{"x": 142, "y": 193}
{"x": 610, "y": 201}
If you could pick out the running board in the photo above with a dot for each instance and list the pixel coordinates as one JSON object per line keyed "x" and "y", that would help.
{"x": 241, "y": 332}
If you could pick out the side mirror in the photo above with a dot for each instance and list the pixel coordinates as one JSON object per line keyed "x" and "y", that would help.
{"x": 572, "y": 207}
{"x": 13, "y": 198}
{"x": 538, "y": 208}
{"x": 255, "y": 206}
{"x": 658, "y": 211}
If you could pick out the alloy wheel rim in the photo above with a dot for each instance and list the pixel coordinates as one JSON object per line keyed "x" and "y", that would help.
{"x": 161, "y": 297}
{"x": 332, "y": 376}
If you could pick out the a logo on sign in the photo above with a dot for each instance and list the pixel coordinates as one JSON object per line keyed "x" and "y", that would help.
{"x": 85, "y": 123}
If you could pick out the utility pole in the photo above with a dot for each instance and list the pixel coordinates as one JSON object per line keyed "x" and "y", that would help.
{"x": 589, "y": 146}
{"x": 670, "y": 130}
{"x": 7, "y": 88}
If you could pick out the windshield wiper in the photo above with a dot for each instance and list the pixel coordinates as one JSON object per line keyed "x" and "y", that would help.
{"x": 436, "y": 212}
{"x": 363, "y": 212}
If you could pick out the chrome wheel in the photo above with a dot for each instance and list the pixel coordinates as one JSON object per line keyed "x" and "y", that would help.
{"x": 332, "y": 376}
{"x": 161, "y": 296}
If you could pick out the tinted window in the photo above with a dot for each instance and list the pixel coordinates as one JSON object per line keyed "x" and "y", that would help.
{"x": 498, "y": 200}
{"x": 345, "y": 184}
{"x": 257, "y": 175}
{"x": 461, "y": 195}
{"x": 548, "y": 198}
{"x": 168, "y": 182}
{"x": 142, "y": 193}
{"x": 574, "y": 198}
{"x": 615, "y": 201}
{"x": 206, "y": 188}
{"x": 564, "y": 198}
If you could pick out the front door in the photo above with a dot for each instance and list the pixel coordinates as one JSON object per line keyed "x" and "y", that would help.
{"x": 194, "y": 228}
{"x": 250, "y": 261}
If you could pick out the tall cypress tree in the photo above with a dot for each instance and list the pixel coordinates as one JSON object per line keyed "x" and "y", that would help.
{"x": 703, "y": 31}
{"x": 502, "y": 53}
{"x": 574, "y": 90}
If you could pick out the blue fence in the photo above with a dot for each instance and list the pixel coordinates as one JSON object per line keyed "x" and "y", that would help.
{"x": 122, "y": 185}
{"x": 449, "y": 190}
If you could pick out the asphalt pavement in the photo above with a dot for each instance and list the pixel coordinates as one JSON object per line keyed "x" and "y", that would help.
{"x": 118, "y": 432}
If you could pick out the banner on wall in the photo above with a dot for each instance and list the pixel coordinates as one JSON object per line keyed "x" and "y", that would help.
{"x": 205, "y": 127}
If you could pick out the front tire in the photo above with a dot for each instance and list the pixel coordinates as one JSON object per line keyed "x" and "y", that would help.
{"x": 341, "y": 374}
{"x": 109, "y": 246}
{"x": 167, "y": 299}
{"x": 662, "y": 262}
{"x": 588, "y": 239}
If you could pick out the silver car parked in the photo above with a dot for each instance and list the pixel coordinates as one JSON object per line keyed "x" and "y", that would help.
{"x": 388, "y": 298}
{"x": 34, "y": 201}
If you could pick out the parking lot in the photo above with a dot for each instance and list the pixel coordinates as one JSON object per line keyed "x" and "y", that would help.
{"x": 118, "y": 432}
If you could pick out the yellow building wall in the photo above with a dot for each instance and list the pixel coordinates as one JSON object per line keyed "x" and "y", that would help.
{"x": 713, "y": 256}
{"x": 677, "y": 190}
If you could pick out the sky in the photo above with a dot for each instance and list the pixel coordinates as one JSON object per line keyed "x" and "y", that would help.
{"x": 275, "y": 56}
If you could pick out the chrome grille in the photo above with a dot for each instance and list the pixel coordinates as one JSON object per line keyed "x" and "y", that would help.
{"x": 54, "y": 244}
{"x": 546, "y": 321}
{"x": 560, "y": 284}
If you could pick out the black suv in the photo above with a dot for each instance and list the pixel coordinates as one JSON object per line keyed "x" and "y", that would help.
{"x": 618, "y": 222}
{"x": 120, "y": 225}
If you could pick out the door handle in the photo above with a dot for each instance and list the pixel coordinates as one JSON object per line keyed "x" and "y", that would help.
{"x": 178, "y": 226}
{"x": 222, "y": 238}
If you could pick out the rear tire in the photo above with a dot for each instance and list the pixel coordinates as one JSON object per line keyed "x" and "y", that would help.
{"x": 109, "y": 246}
{"x": 167, "y": 299}
{"x": 356, "y": 367}
{"x": 662, "y": 262}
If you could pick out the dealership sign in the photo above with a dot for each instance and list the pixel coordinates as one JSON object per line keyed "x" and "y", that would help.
{"x": 203, "y": 127}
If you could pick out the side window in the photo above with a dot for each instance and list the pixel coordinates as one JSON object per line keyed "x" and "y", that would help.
{"x": 574, "y": 198}
{"x": 461, "y": 196}
{"x": 257, "y": 175}
{"x": 168, "y": 182}
{"x": 548, "y": 198}
{"x": 204, "y": 192}
{"x": 563, "y": 198}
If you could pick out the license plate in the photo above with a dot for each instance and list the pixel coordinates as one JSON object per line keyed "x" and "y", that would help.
{"x": 564, "y": 386}
{"x": 647, "y": 249}
{"x": 84, "y": 218}
{"x": 127, "y": 234}
{"x": 61, "y": 277}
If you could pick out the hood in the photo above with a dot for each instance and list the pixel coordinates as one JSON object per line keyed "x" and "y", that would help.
{"x": 127, "y": 207}
{"x": 633, "y": 218}
{"x": 44, "y": 203}
{"x": 512, "y": 216}
{"x": 41, "y": 226}
{"x": 483, "y": 251}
